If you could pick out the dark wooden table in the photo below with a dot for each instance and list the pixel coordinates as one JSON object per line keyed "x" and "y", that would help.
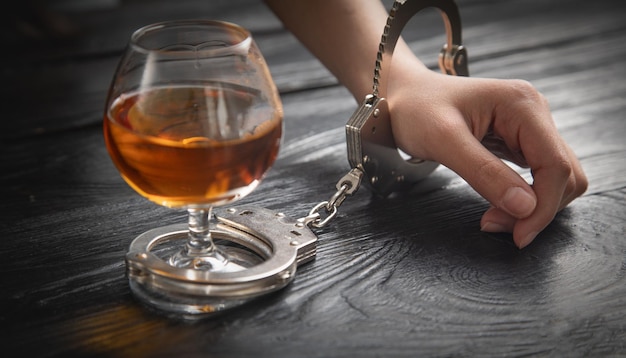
{"x": 411, "y": 275}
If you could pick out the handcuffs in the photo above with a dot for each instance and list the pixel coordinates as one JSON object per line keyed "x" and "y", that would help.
{"x": 285, "y": 243}
{"x": 371, "y": 146}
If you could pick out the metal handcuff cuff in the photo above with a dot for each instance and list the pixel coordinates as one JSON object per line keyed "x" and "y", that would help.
{"x": 372, "y": 150}
{"x": 285, "y": 243}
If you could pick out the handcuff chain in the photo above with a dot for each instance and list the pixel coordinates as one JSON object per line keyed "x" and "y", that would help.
{"x": 346, "y": 186}
{"x": 350, "y": 182}
{"x": 381, "y": 46}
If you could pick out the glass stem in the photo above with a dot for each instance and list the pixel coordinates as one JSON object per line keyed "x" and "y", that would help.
{"x": 200, "y": 241}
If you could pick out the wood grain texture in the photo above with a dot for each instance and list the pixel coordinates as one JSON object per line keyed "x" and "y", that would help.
{"x": 410, "y": 275}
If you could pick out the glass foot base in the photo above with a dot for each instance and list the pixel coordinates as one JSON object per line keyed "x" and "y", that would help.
{"x": 271, "y": 245}
{"x": 182, "y": 306}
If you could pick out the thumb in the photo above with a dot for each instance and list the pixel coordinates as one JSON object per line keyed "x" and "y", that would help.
{"x": 488, "y": 175}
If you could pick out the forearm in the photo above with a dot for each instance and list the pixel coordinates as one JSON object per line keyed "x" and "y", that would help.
{"x": 344, "y": 35}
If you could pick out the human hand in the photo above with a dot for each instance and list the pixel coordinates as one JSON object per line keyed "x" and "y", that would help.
{"x": 469, "y": 125}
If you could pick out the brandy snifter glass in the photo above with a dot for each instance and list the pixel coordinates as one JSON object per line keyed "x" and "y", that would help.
{"x": 193, "y": 120}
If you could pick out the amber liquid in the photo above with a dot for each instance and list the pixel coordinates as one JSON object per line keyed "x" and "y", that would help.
{"x": 192, "y": 146}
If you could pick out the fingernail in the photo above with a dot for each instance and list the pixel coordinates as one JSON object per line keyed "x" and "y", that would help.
{"x": 527, "y": 240}
{"x": 518, "y": 202}
{"x": 493, "y": 227}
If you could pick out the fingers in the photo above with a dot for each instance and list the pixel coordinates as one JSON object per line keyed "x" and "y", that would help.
{"x": 556, "y": 186}
{"x": 549, "y": 202}
{"x": 526, "y": 125}
{"x": 577, "y": 183}
{"x": 496, "y": 220}
{"x": 450, "y": 118}
{"x": 460, "y": 151}
{"x": 521, "y": 119}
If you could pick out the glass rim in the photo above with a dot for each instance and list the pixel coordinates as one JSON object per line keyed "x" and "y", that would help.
{"x": 242, "y": 45}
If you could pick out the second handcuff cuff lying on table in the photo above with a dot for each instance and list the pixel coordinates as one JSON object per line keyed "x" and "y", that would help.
{"x": 285, "y": 243}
